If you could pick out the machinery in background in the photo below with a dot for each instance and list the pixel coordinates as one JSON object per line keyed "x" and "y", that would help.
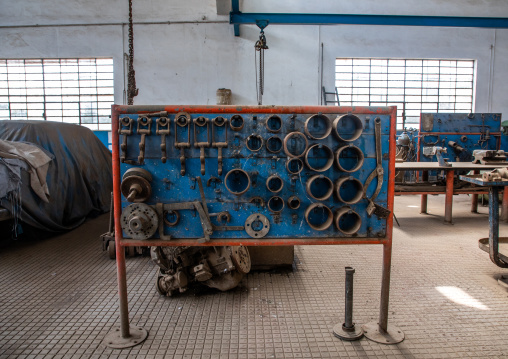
{"x": 459, "y": 135}
{"x": 406, "y": 152}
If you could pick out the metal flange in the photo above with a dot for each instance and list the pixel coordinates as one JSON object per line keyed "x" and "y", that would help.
{"x": 114, "y": 339}
{"x": 257, "y": 225}
{"x": 392, "y": 335}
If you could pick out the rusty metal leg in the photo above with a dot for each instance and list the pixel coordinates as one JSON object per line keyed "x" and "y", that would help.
{"x": 494, "y": 227}
{"x": 380, "y": 331}
{"x": 423, "y": 206}
{"x": 504, "y": 208}
{"x": 474, "y": 198}
{"x": 449, "y": 197}
{"x": 348, "y": 330}
{"x": 126, "y": 336}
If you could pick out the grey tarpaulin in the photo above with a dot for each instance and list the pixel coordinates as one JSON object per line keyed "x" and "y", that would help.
{"x": 79, "y": 177}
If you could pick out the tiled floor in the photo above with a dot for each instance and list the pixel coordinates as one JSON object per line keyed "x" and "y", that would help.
{"x": 58, "y": 299}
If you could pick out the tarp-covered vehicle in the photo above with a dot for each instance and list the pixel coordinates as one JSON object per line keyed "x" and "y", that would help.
{"x": 52, "y": 175}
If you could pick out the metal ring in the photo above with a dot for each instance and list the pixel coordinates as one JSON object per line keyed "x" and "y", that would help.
{"x": 274, "y": 183}
{"x": 271, "y": 203}
{"x": 294, "y": 202}
{"x": 289, "y": 165}
{"x": 356, "y": 122}
{"x": 219, "y": 121}
{"x": 295, "y": 134}
{"x": 182, "y": 119}
{"x": 356, "y": 219}
{"x": 358, "y": 189}
{"x": 278, "y": 123}
{"x": 316, "y": 117}
{"x": 326, "y": 181}
{"x": 235, "y": 171}
{"x": 250, "y": 138}
{"x": 274, "y": 140}
{"x": 235, "y": 118}
{"x": 322, "y": 226}
{"x": 329, "y": 155}
{"x": 169, "y": 223}
{"x": 257, "y": 233}
{"x": 201, "y": 121}
{"x": 360, "y": 158}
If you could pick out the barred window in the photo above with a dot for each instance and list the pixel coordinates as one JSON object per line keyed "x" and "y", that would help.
{"x": 413, "y": 85}
{"x": 78, "y": 91}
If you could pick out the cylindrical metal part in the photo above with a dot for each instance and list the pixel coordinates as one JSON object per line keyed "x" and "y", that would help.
{"x": 294, "y": 165}
{"x": 223, "y": 96}
{"x": 254, "y": 142}
{"x": 294, "y": 202}
{"x": 318, "y": 126}
{"x": 349, "y": 190}
{"x": 291, "y": 146}
{"x": 349, "y": 158}
{"x": 274, "y": 123}
{"x": 319, "y": 158}
{"x": 348, "y": 314}
{"x": 274, "y": 183}
{"x": 348, "y": 127}
{"x": 347, "y": 221}
{"x": 275, "y": 204}
{"x": 274, "y": 144}
{"x": 319, "y": 187}
{"x": 317, "y": 223}
{"x": 237, "y": 181}
{"x": 236, "y": 123}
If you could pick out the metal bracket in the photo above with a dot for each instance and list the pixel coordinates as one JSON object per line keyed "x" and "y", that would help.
{"x": 202, "y": 122}
{"x": 144, "y": 129}
{"x": 125, "y": 129}
{"x": 182, "y": 119}
{"x": 163, "y": 129}
{"x": 219, "y": 122}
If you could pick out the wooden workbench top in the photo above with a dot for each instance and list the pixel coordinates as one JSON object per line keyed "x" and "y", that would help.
{"x": 419, "y": 166}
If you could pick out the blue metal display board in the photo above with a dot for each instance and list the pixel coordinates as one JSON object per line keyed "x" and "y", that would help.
{"x": 475, "y": 131}
{"x": 273, "y": 132}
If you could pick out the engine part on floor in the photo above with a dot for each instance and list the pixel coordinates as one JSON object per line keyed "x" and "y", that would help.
{"x": 348, "y": 330}
{"x": 348, "y": 127}
{"x": 489, "y": 157}
{"x": 216, "y": 267}
{"x": 136, "y": 185}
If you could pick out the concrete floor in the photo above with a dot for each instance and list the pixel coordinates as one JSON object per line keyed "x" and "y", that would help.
{"x": 58, "y": 298}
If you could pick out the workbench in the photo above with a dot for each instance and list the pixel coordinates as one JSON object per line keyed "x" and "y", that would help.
{"x": 450, "y": 189}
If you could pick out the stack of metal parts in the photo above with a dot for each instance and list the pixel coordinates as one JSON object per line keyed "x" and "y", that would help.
{"x": 268, "y": 176}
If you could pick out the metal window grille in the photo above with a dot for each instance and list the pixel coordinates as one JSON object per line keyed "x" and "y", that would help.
{"x": 78, "y": 91}
{"x": 413, "y": 85}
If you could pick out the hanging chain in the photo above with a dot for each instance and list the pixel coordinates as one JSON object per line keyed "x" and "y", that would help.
{"x": 131, "y": 77}
{"x": 261, "y": 47}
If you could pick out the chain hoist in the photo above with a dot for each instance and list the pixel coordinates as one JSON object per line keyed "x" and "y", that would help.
{"x": 131, "y": 77}
{"x": 261, "y": 47}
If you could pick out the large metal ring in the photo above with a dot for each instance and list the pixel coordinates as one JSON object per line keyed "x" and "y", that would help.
{"x": 354, "y": 195}
{"x": 328, "y": 217}
{"x": 296, "y": 135}
{"x": 324, "y": 181}
{"x": 237, "y": 172}
{"x": 344, "y": 119}
{"x": 359, "y": 160}
{"x": 316, "y": 119}
{"x": 328, "y": 154}
{"x": 352, "y": 220}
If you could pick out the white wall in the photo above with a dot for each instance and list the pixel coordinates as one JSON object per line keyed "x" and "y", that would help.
{"x": 193, "y": 52}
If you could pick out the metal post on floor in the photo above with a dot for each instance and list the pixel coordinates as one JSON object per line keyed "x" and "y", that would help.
{"x": 423, "y": 205}
{"x": 126, "y": 336}
{"x": 348, "y": 330}
{"x": 380, "y": 331}
{"x": 474, "y": 198}
{"x": 449, "y": 196}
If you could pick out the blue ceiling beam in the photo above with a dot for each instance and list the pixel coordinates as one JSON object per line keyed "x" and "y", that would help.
{"x": 237, "y": 18}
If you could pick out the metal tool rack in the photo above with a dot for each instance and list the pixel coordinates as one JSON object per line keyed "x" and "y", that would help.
{"x": 309, "y": 175}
